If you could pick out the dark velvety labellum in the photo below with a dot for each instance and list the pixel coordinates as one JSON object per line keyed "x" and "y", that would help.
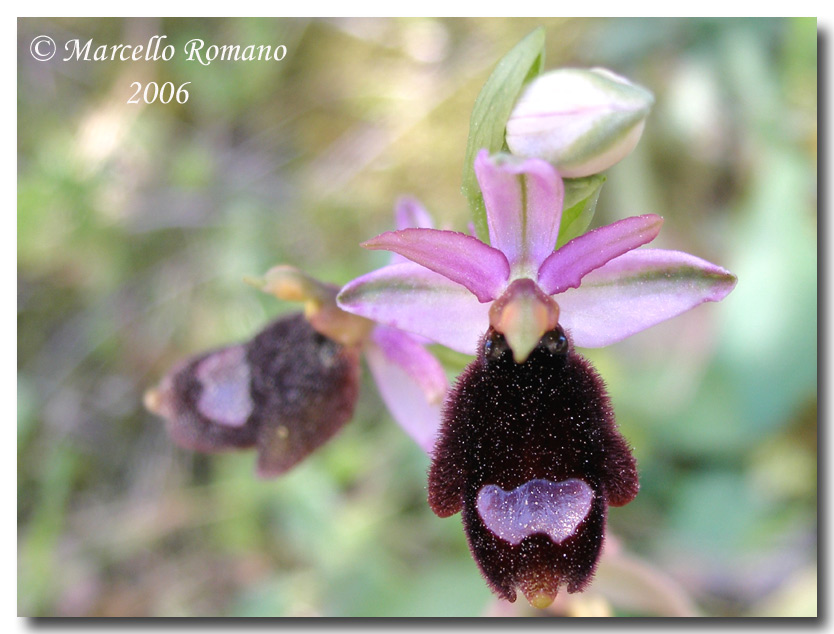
{"x": 304, "y": 386}
{"x": 531, "y": 454}
{"x": 286, "y": 391}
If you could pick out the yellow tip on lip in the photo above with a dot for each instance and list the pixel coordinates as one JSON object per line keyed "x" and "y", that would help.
{"x": 154, "y": 401}
{"x": 541, "y": 600}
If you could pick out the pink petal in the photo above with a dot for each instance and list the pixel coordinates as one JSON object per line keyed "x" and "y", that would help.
{"x": 636, "y": 290}
{"x": 411, "y": 382}
{"x": 406, "y": 352}
{"x": 524, "y": 206}
{"x": 565, "y": 268}
{"x": 409, "y": 213}
{"x": 457, "y": 256}
{"x": 412, "y": 298}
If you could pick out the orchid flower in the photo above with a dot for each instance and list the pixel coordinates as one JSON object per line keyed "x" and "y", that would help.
{"x": 529, "y": 450}
{"x": 597, "y": 286}
{"x": 295, "y": 384}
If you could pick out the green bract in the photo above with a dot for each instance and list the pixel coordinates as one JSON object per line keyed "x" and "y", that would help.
{"x": 581, "y": 196}
{"x": 492, "y": 110}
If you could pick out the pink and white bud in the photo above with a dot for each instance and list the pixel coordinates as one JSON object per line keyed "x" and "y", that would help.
{"x": 582, "y": 121}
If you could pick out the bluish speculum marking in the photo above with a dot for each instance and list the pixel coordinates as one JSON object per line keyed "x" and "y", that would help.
{"x": 224, "y": 377}
{"x": 555, "y": 509}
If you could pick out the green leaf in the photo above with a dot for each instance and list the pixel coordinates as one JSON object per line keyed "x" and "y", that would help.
{"x": 581, "y": 195}
{"x": 492, "y": 110}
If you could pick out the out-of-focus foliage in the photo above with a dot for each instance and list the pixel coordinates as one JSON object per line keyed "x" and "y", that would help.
{"x": 136, "y": 225}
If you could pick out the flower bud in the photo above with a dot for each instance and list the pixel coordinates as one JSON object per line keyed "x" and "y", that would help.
{"x": 582, "y": 121}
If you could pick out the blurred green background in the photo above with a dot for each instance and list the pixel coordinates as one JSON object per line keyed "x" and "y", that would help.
{"x": 136, "y": 225}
